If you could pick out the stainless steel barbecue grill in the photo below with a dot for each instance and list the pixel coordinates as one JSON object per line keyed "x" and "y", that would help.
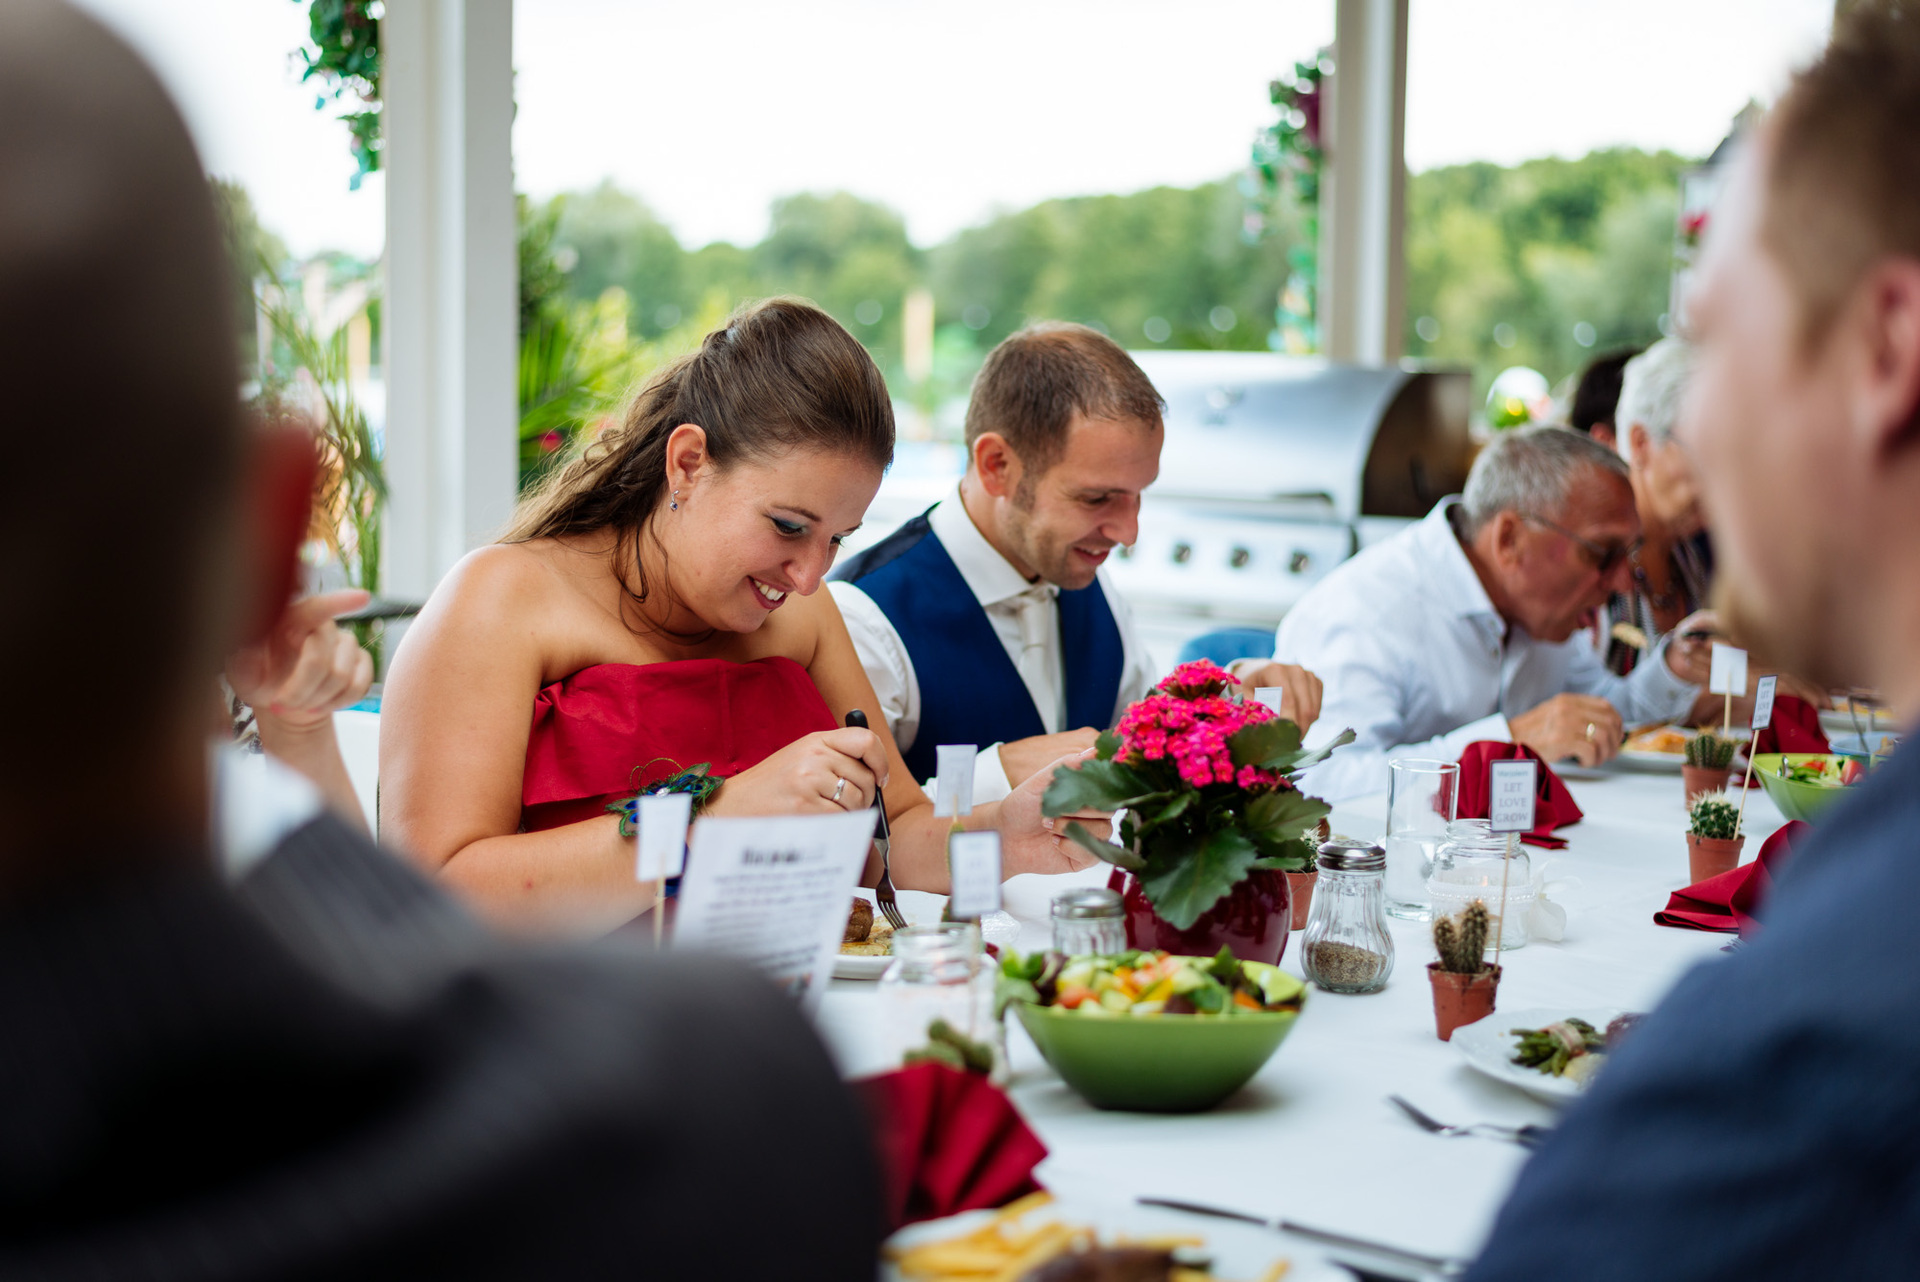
{"x": 1275, "y": 470}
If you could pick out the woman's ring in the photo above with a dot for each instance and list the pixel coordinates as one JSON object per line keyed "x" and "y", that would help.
{"x": 840, "y": 785}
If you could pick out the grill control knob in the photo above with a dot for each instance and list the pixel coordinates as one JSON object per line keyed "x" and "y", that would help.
{"x": 1298, "y": 562}
{"x": 1182, "y": 553}
{"x": 1238, "y": 558}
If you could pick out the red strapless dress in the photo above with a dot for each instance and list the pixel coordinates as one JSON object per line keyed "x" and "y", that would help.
{"x": 610, "y": 730}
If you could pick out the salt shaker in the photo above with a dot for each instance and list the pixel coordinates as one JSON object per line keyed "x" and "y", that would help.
{"x": 1347, "y": 948}
{"x": 1090, "y": 919}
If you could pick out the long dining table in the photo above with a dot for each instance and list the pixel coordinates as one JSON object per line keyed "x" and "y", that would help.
{"x": 1313, "y": 1138}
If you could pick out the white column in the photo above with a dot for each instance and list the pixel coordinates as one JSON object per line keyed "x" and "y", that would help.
{"x": 452, "y": 284}
{"x": 1364, "y": 185}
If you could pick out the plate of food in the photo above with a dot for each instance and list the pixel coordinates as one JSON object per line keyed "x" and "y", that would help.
{"x": 1549, "y": 1053}
{"x": 1664, "y": 748}
{"x": 867, "y": 948}
{"x": 1856, "y": 715}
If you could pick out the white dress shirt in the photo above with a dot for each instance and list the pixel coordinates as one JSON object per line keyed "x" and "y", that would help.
{"x": 1026, "y": 618}
{"x": 1418, "y": 662}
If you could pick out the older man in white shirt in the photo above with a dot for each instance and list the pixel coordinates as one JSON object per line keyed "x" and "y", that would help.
{"x": 1470, "y": 624}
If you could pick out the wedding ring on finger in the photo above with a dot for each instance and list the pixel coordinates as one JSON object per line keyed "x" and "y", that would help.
{"x": 840, "y": 786}
{"x": 1592, "y": 730}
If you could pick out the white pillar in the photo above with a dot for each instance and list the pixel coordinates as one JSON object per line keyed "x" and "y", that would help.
{"x": 1363, "y": 191}
{"x": 452, "y": 286}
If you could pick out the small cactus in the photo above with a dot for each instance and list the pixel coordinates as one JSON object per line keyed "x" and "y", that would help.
{"x": 1710, "y": 751}
{"x": 1462, "y": 940}
{"x": 1713, "y": 815}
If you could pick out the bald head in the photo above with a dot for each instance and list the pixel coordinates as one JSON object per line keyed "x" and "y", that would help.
{"x": 120, "y": 412}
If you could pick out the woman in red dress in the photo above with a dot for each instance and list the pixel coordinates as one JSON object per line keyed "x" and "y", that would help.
{"x": 654, "y": 607}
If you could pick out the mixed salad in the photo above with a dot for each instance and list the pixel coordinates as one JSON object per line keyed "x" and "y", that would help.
{"x": 1571, "y": 1048}
{"x": 1824, "y": 772}
{"x": 1148, "y": 983}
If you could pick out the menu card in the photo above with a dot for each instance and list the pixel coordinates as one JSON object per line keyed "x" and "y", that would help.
{"x": 775, "y": 893}
{"x": 953, "y": 784}
{"x": 1511, "y": 793}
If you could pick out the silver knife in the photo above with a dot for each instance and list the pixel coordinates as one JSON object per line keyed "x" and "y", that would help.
{"x": 1444, "y": 1266}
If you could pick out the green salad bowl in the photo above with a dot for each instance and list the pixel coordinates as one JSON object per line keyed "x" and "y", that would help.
{"x": 1155, "y": 1063}
{"x": 1807, "y": 801}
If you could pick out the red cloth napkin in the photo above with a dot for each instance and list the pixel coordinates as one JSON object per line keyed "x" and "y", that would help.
{"x": 1794, "y": 727}
{"x": 1727, "y": 902}
{"x": 1553, "y": 807}
{"x": 948, "y": 1141}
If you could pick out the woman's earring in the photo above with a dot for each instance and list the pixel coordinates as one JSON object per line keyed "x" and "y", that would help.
{"x": 675, "y": 505}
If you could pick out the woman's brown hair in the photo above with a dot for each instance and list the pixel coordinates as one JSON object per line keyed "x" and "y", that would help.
{"x": 779, "y": 374}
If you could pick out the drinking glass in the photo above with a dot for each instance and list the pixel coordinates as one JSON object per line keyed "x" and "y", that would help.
{"x": 1421, "y": 796}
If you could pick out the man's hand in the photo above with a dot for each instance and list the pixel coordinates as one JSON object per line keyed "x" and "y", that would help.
{"x": 1691, "y": 658}
{"x": 1030, "y": 842}
{"x": 305, "y": 668}
{"x": 1300, "y": 704}
{"x": 1582, "y": 726}
{"x": 1024, "y": 758}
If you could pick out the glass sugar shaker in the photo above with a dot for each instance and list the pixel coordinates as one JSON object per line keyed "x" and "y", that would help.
{"x": 1346, "y": 948}
{"x": 939, "y": 972}
{"x": 1089, "y": 919}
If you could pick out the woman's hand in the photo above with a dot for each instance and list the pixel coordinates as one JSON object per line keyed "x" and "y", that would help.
{"x": 304, "y": 669}
{"x": 1030, "y": 842}
{"x": 805, "y": 777}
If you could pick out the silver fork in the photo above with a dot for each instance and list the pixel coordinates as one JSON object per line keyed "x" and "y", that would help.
{"x": 883, "y": 842}
{"x": 1528, "y": 1136}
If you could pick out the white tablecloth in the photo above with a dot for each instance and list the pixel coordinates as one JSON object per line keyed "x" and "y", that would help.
{"x": 1312, "y": 1138}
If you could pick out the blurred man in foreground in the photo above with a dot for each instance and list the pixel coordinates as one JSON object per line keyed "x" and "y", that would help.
{"x": 1471, "y": 624}
{"x": 329, "y": 1071}
{"x": 1764, "y": 1122}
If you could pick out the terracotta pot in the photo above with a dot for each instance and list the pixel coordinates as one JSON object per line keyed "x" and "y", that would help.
{"x": 1460, "y": 999}
{"x": 1300, "y": 888}
{"x": 1711, "y": 856}
{"x": 1698, "y": 779}
{"x": 1252, "y": 920}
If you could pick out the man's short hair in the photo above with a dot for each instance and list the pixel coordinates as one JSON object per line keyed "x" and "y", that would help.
{"x": 122, "y": 409}
{"x": 1035, "y": 381}
{"x": 1598, "y": 391}
{"x": 1651, "y": 391}
{"x": 1844, "y": 176}
{"x": 1532, "y": 470}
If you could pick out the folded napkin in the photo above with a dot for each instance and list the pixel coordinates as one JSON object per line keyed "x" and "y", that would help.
{"x": 1728, "y": 902}
{"x": 948, "y": 1142}
{"x": 1794, "y": 727}
{"x": 1553, "y": 807}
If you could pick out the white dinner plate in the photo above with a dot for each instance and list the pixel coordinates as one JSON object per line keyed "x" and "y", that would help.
{"x": 1670, "y": 762}
{"x": 999, "y": 929}
{"x": 1488, "y": 1046}
{"x": 1842, "y": 722}
{"x": 847, "y": 966}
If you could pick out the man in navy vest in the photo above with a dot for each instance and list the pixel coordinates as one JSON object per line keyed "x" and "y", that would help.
{"x": 1764, "y": 1121}
{"x": 986, "y": 620}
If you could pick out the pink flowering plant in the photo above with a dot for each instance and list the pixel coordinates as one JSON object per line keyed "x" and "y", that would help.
{"x": 1207, "y": 781}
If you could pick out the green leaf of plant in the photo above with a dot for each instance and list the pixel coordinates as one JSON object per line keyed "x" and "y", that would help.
{"x": 1107, "y": 746}
{"x": 1292, "y": 763}
{"x": 1294, "y": 855}
{"x": 1184, "y": 879}
{"x": 1094, "y": 785}
{"x": 1105, "y": 850}
{"x": 1285, "y": 814}
{"x": 1262, "y": 741}
{"x": 1172, "y": 810}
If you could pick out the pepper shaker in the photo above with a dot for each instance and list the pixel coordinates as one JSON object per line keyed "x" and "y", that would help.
{"x": 1347, "y": 948}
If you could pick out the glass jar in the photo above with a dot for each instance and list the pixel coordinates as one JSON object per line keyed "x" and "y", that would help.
{"x": 1347, "y": 948}
{"x": 1473, "y": 863}
{"x": 1090, "y": 919}
{"x": 939, "y": 972}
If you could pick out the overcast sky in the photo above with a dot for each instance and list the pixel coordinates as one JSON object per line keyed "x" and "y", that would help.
{"x": 947, "y": 112}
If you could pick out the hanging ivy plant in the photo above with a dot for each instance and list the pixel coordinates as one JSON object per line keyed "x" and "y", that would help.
{"x": 344, "y": 58}
{"x": 1286, "y": 162}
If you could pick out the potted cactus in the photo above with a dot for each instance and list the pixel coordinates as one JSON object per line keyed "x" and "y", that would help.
{"x": 1709, "y": 763}
{"x": 1713, "y": 846}
{"x": 1464, "y": 983}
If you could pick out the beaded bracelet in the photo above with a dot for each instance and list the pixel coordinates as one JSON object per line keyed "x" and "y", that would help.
{"x": 694, "y": 781}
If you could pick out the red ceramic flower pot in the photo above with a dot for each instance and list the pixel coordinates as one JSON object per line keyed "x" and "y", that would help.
{"x": 1459, "y": 1000}
{"x": 1711, "y": 856}
{"x": 1695, "y": 780}
{"x": 1253, "y": 920}
{"x": 1300, "y": 888}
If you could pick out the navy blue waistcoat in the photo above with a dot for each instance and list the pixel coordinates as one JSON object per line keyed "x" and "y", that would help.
{"x": 970, "y": 691}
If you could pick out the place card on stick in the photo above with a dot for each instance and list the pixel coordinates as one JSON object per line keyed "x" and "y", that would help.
{"x": 660, "y": 847}
{"x": 1511, "y": 788}
{"x": 774, "y": 892}
{"x": 1273, "y": 697}
{"x": 953, "y": 781}
{"x": 973, "y": 864}
{"x": 1728, "y": 673}
{"x": 1762, "y": 718}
